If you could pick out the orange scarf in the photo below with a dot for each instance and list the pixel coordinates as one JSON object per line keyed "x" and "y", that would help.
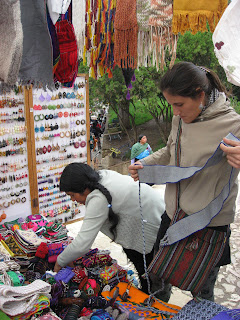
{"x": 189, "y": 15}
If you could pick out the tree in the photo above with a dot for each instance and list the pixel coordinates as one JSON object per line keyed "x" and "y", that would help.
{"x": 146, "y": 89}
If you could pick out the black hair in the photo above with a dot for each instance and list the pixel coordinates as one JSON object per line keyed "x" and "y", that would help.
{"x": 188, "y": 80}
{"x": 77, "y": 177}
{"x": 140, "y": 137}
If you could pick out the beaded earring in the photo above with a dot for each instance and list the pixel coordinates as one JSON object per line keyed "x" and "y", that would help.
{"x": 36, "y": 129}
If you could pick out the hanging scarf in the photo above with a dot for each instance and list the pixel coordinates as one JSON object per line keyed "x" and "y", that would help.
{"x": 11, "y": 39}
{"x": 36, "y": 66}
{"x": 194, "y": 15}
{"x": 78, "y": 21}
{"x": 126, "y": 28}
{"x": 155, "y": 35}
{"x": 162, "y": 38}
{"x": 144, "y": 47}
{"x": 67, "y": 67}
{"x": 99, "y": 37}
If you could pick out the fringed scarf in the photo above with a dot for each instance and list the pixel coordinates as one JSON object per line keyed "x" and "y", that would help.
{"x": 144, "y": 47}
{"x": 78, "y": 20}
{"x": 36, "y": 66}
{"x": 126, "y": 34}
{"x": 11, "y": 39}
{"x": 194, "y": 15}
{"x": 99, "y": 37}
{"x": 162, "y": 38}
{"x": 155, "y": 36}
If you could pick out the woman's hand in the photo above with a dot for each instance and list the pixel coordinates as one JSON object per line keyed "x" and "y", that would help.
{"x": 133, "y": 170}
{"x": 57, "y": 267}
{"x": 232, "y": 152}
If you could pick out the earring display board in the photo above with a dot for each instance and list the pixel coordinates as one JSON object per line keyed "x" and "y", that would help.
{"x": 15, "y": 197}
{"x": 56, "y": 133}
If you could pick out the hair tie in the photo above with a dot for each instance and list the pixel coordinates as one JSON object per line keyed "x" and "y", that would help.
{"x": 109, "y": 205}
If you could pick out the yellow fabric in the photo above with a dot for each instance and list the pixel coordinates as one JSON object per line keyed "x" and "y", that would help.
{"x": 189, "y": 15}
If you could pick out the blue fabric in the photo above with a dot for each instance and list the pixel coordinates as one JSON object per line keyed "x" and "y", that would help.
{"x": 144, "y": 154}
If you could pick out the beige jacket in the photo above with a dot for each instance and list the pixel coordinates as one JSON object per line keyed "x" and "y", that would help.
{"x": 199, "y": 140}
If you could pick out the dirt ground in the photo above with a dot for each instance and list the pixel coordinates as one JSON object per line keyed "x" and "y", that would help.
{"x": 149, "y": 129}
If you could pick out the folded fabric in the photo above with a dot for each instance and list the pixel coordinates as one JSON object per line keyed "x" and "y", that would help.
{"x": 134, "y": 304}
{"x": 17, "y": 300}
{"x": 65, "y": 274}
{"x": 42, "y": 303}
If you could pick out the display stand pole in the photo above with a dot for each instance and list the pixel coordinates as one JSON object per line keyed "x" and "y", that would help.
{"x": 28, "y": 97}
{"x": 87, "y": 116}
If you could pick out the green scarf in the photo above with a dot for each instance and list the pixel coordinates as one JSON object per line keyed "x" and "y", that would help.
{"x": 138, "y": 148}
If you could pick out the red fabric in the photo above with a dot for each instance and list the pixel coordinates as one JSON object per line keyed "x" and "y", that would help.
{"x": 42, "y": 250}
{"x": 67, "y": 67}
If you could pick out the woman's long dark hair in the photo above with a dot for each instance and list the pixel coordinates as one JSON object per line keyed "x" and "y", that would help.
{"x": 77, "y": 177}
{"x": 188, "y": 80}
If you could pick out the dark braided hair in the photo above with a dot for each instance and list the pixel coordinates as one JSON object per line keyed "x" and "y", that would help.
{"x": 77, "y": 177}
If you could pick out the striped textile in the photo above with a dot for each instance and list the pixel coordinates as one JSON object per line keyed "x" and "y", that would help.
{"x": 187, "y": 263}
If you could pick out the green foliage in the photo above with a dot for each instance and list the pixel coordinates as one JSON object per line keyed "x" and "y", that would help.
{"x": 142, "y": 116}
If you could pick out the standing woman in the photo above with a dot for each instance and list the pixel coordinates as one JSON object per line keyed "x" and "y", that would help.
{"x": 202, "y": 117}
{"x": 112, "y": 206}
{"x": 141, "y": 149}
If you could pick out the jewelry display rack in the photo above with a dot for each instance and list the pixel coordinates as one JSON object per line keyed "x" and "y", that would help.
{"x": 41, "y": 132}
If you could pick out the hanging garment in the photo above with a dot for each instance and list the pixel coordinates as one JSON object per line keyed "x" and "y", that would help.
{"x": 162, "y": 38}
{"x": 144, "y": 48}
{"x": 226, "y": 42}
{"x": 99, "y": 37}
{"x": 36, "y": 66}
{"x": 194, "y": 15}
{"x": 78, "y": 21}
{"x": 11, "y": 39}
{"x": 67, "y": 68}
{"x": 126, "y": 34}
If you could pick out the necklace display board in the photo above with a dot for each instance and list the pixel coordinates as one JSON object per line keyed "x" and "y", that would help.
{"x": 41, "y": 132}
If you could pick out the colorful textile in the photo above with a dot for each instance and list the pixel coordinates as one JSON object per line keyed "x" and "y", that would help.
{"x": 226, "y": 42}
{"x": 125, "y": 36}
{"x": 193, "y": 16}
{"x": 162, "y": 38}
{"x": 14, "y": 247}
{"x": 41, "y": 304}
{"x": 187, "y": 263}
{"x": 11, "y": 39}
{"x": 134, "y": 305}
{"x": 99, "y": 37}
{"x": 196, "y": 310}
{"x": 67, "y": 67}
{"x": 65, "y": 274}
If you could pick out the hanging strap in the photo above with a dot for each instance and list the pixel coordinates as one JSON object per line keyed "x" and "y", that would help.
{"x": 172, "y": 174}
